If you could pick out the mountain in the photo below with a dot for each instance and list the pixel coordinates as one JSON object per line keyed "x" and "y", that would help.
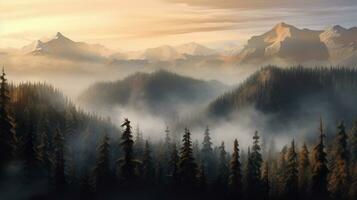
{"x": 285, "y": 98}
{"x": 168, "y": 53}
{"x": 194, "y": 49}
{"x": 160, "y": 92}
{"x": 293, "y": 45}
{"x": 63, "y": 47}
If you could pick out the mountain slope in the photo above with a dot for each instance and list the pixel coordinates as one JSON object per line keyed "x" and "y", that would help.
{"x": 62, "y": 47}
{"x": 160, "y": 92}
{"x": 290, "y": 97}
{"x": 287, "y": 43}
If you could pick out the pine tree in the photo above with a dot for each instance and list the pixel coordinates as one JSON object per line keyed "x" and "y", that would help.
{"x": 8, "y": 139}
{"x": 304, "y": 171}
{"x": 102, "y": 172}
{"x": 282, "y": 170}
{"x": 353, "y": 143}
{"x": 254, "y": 170}
{"x": 187, "y": 168}
{"x": 291, "y": 181}
{"x": 43, "y": 152}
{"x": 201, "y": 178}
{"x": 127, "y": 162}
{"x": 235, "y": 179}
{"x": 207, "y": 155}
{"x": 173, "y": 165}
{"x": 338, "y": 183}
{"x": 223, "y": 170}
{"x": 319, "y": 169}
{"x": 148, "y": 170}
{"x": 31, "y": 163}
{"x": 266, "y": 181}
{"x": 59, "y": 163}
{"x": 139, "y": 143}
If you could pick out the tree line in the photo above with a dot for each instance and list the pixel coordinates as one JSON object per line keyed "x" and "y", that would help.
{"x": 130, "y": 166}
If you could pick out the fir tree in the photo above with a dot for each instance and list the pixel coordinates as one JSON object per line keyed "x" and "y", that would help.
{"x": 59, "y": 163}
{"x": 102, "y": 172}
{"x": 43, "y": 152}
{"x": 291, "y": 182}
{"x": 319, "y": 169}
{"x": 8, "y": 139}
{"x": 173, "y": 165}
{"x": 338, "y": 183}
{"x": 254, "y": 170}
{"x": 266, "y": 181}
{"x": 353, "y": 143}
{"x": 201, "y": 178}
{"x": 223, "y": 170}
{"x": 148, "y": 170}
{"x": 304, "y": 171}
{"x": 235, "y": 179}
{"x": 207, "y": 155}
{"x": 31, "y": 163}
{"x": 127, "y": 162}
{"x": 187, "y": 168}
{"x": 139, "y": 143}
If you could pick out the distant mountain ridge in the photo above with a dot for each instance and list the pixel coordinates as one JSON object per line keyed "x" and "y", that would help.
{"x": 158, "y": 92}
{"x": 335, "y": 45}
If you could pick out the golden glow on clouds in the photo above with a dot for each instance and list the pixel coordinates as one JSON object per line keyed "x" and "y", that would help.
{"x": 123, "y": 24}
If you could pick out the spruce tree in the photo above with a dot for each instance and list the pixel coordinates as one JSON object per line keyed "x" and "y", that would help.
{"x": 102, "y": 172}
{"x": 187, "y": 168}
{"x": 59, "y": 179}
{"x": 319, "y": 169}
{"x": 266, "y": 181}
{"x": 8, "y": 139}
{"x": 173, "y": 165}
{"x": 223, "y": 170}
{"x": 127, "y": 163}
{"x": 148, "y": 170}
{"x": 304, "y": 171}
{"x": 291, "y": 181}
{"x": 254, "y": 170}
{"x": 353, "y": 143}
{"x": 338, "y": 183}
{"x": 201, "y": 178}
{"x": 31, "y": 163}
{"x": 207, "y": 155}
{"x": 235, "y": 179}
{"x": 43, "y": 153}
{"x": 139, "y": 143}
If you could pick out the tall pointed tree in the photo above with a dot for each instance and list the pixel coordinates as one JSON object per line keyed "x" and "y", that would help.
{"x": 254, "y": 170}
{"x": 338, "y": 183}
{"x": 353, "y": 143}
{"x": 304, "y": 171}
{"x": 139, "y": 143}
{"x": 291, "y": 181}
{"x": 127, "y": 163}
{"x": 201, "y": 178}
{"x": 319, "y": 168}
{"x": 235, "y": 179}
{"x": 207, "y": 155}
{"x": 8, "y": 139}
{"x": 102, "y": 172}
{"x": 223, "y": 170}
{"x": 173, "y": 165}
{"x": 148, "y": 170}
{"x": 266, "y": 181}
{"x": 59, "y": 162}
{"x": 187, "y": 166}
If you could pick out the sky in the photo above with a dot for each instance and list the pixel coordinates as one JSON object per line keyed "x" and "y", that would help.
{"x": 139, "y": 24}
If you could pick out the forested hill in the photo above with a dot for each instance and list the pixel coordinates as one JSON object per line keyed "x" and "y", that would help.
{"x": 40, "y": 110}
{"x": 160, "y": 92}
{"x": 295, "y": 93}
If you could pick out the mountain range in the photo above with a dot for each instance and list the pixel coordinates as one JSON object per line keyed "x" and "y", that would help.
{"x": 284, "y": 43}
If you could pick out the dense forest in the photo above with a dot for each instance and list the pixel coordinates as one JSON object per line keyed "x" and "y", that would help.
{"x": 49, "y": 149}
